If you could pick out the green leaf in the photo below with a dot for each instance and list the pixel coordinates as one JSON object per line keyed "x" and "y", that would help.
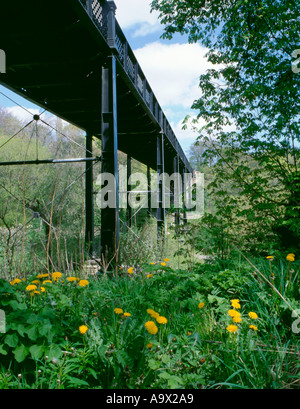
{"x": 153, "y": 364}
{"x": 21, "y": 353}
{"x": 11, "y": 340}
{"x": 36, "y": 351}
{"x": 32, "y": 333}
{"x": 2, "y": 350}
{"x": 76, "y": 382}
{"x": 53, "y": 351}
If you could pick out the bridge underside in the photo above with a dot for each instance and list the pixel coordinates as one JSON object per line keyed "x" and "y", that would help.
{"x": 55, "y": 58}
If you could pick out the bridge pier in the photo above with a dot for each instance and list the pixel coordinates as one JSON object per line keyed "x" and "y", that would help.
{"x": 110, "y": 222}
{"x": 160, "y": 164}
{"x": 89, "y": 198}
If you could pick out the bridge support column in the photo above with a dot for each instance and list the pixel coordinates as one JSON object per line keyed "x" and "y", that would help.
{"x": 184, "y": 218}
{"x": 149, "y": 191}
{"x": 89, "y": 198}
{"x": 129, "y": 209}
{"x": 160, "y": 215}
{"x": 110, "y": 222}
{"x": 176, "y": 194}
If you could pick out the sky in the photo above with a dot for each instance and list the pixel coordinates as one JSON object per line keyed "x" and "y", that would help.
{"x": 172, "y": 67}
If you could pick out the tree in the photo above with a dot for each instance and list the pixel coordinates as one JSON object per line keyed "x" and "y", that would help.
{"x": 253, "y": 90}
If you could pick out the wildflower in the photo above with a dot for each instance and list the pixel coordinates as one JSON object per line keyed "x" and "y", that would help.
{"x": 161, "y": 320}
{"x": 130, "y": 270}
{"x": 270, "y": 258}
{"x": 151, "y": 327}
{"x": 150, "y": 345}
{"x": 47, "y": 282}
{"x": 189, "y": 333}
{"x": 127, "y": 314}
{"x": 254, "y": 327}
{"x": 56, "y": 276}
{"x": 237, "y": 319}
{"x": 83, "y": 329}
{"x": 232, "y": 328}
{"x": 83, "y": 283}
{"x": 163, "y": 264}
{"x": 166, "y": 260}
{"x": 290, "y": 257}
{"x": 15, "y": 281}
{"x": 43, "y": 275}
{"x": 118, "y": 311}
{"x": 234, "y": 313}
{"x": 253, "y": 315}
{"x": 31, "y": 287}
{"x": 152, "y": 313}
{"x": 72, "y": 279}
{"x": 235, "y": 304}
{"x": 152, "y": 264}
{"x": 149, "y": 275}
{"x": 201, "y": 305}
{"x": 35, "y": 282}
{"x": 42, "y": 289}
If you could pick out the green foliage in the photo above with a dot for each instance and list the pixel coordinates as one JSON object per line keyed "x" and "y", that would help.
{"x": 250, "y": 103}
{"x": 44, "y": 348}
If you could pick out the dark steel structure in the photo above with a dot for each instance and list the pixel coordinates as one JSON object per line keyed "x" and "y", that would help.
{"x": 72, "y": 58}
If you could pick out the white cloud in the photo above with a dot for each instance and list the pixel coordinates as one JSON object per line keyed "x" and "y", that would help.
{"x": 21, "y": 114}
{"x": 173, "y": 71}
{"x": 137, "y": 12}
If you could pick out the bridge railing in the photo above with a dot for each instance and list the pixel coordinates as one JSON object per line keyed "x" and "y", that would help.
{"x": 102, "y": 13}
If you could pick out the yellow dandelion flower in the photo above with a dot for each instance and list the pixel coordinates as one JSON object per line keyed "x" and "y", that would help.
{"x": 83, "y": 283}
{"x": 162, "y": 320}
{"x": 127, "y": 314}
{"x": 253, "y": 315}
{"x": 234, "y": 313}
{"x": 151, "y": 327}
{"x": 152, "y": 313}
{"x": 118, "y": 311}
{"x": 35, "y": 282}
{"x": 232, "y": 328}
{"x": 83, "y": 329}
{"x": 201, "y": 305}
{"x": 72, "y": 279}
{"x": 15, "y": 281}
{"x": 166, "y": 260}
{"x": 290, "y": 257}
{"x": 45, "y": 275}
{"x": 36, "y": 292}
{"x": 56, "y": 276}
{"x": 149, "y": 275}
{"x": 235, "y": 304}
{"x": 237, "y": 319}
{"x": 31, "y": 287}
{"x": 130, "y": 270}
{"x": 47, "y": 282}
{"x": 163, "y": 264}
{"x": 150, "y": 345}
{"x": 152, "y": 264}
{"x": 42, "y": 289}
{"x": 270, "y": 258}
{"x": 254, "y": 327}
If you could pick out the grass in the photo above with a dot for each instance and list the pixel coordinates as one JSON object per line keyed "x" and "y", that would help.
{"x": 43, "y": 347}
